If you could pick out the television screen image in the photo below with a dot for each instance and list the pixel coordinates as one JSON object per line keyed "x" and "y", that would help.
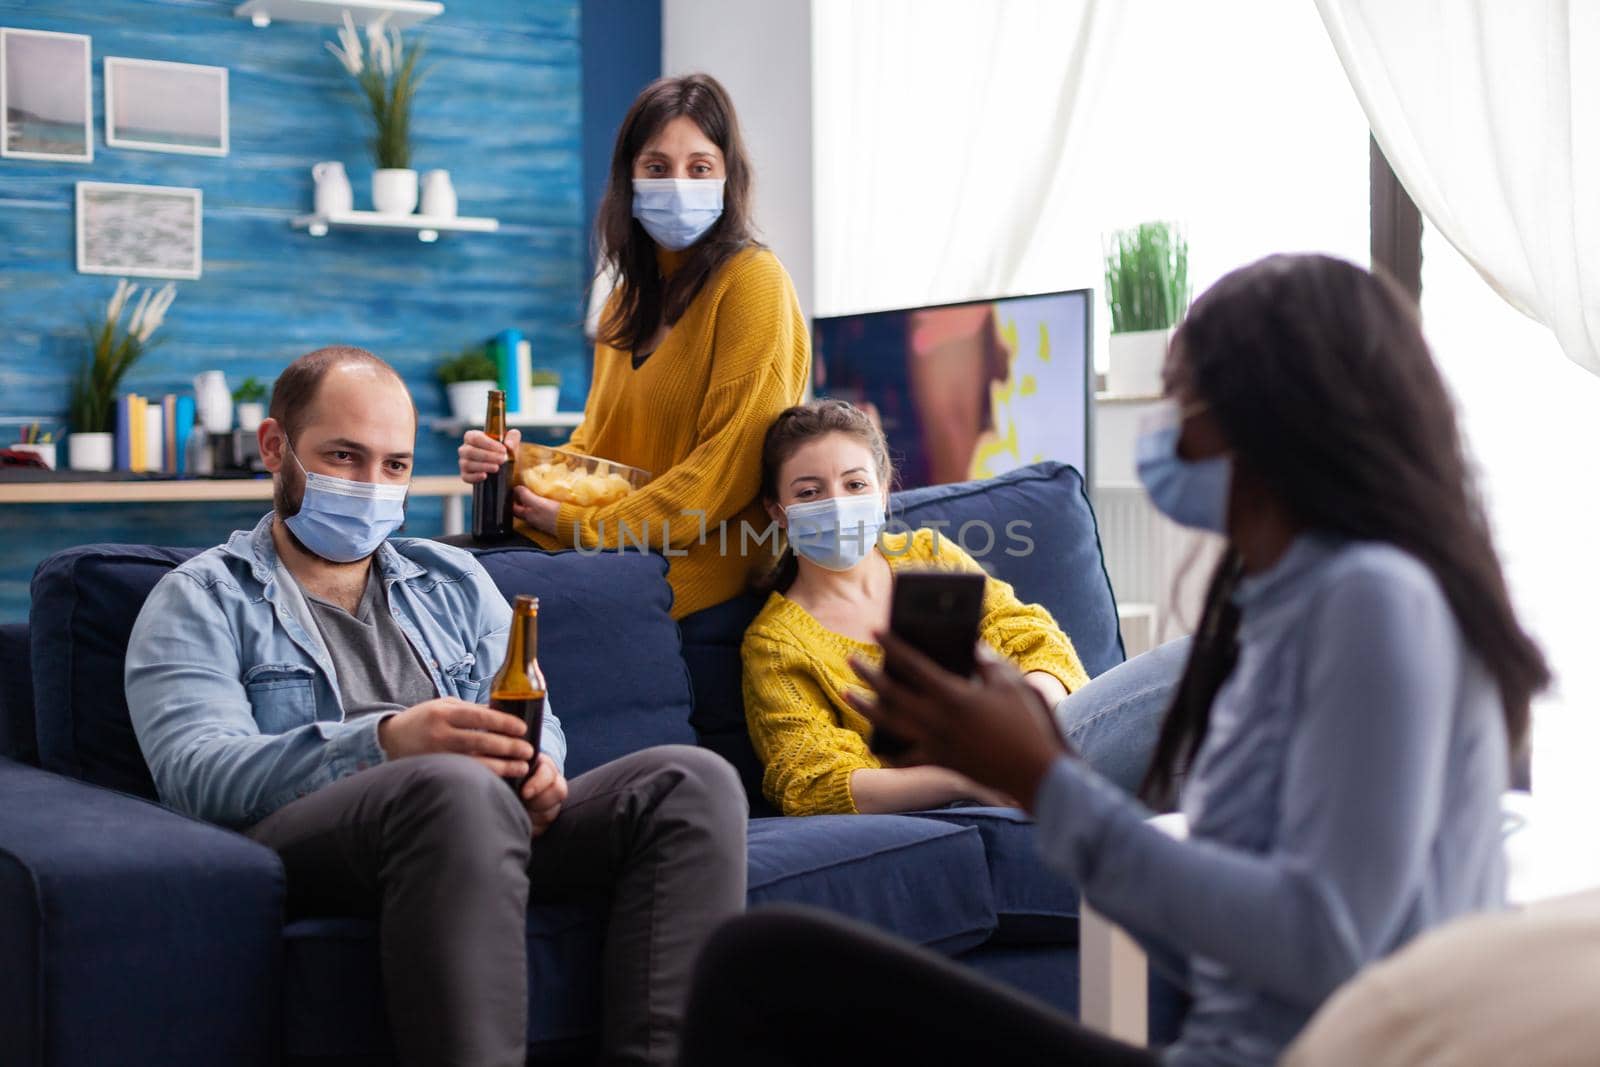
{"x": 967, "y": 390}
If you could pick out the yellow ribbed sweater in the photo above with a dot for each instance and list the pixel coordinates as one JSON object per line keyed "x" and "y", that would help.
{"x": 694, "y": 415}
{"x": 796, "y": 673}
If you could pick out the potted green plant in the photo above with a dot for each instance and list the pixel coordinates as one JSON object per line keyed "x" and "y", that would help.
{"x": 113, "y": 349}
{"x": 544, "y": 393}
{"x": 388, "y": 76}
{"x": 250, "y": 403}
{"x": 1147, "y": 286}
{"x": 467, "y": 379}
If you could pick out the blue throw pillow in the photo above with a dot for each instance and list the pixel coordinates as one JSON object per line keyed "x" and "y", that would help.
{"x": 607, "y": 645}
{"x": 1032, "y": 527}
{"x": 82, "y": 607}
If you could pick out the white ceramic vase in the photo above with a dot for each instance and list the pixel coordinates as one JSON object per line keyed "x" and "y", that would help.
{"x": 1135, "y": 362}
{"x": 394, "y": 192}
{"x": 469, "y": 401}
{"x": 333, "y": 195}
{"x": 438, "y": 195}
{"x": 213, "y": 403}
{"x": 250, "y": 415}
{"x": 89, "y": 451}
{"x": 542, "y": 400}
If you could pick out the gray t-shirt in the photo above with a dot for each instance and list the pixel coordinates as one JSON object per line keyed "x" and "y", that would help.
{"x": 377, "y": 667}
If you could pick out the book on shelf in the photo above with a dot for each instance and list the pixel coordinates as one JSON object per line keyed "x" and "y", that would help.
{"x": 155, "y": 438}
{"x": 138, "y": 426}
{"x": 169, "y": 433}
{"x": 183, "y": 426}
{"x": 122, "y": 432}
{"x": 503, "y": 347}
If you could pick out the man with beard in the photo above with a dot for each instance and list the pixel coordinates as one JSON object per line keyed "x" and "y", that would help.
{"x": 321, "y": 688}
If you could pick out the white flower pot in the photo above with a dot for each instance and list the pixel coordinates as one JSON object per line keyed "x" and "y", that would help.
{"x": 469, "y": 401}
{"x": 394, "y": 192}
{"x": 250, "y": 415}
{"x": 542, "y": 400}
{"x": 89, "y": 451}
{"x": 46, "y": 452}
{"x": 1135, "y": 362}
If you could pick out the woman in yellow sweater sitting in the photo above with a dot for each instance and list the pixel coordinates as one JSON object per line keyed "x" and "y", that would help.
{"x": 825, "y": 476}
{"x": 701, "y": 344}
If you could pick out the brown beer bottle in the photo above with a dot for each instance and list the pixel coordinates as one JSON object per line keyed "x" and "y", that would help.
{"x": 515, "y": 690}
{"x": 491, "y": 498}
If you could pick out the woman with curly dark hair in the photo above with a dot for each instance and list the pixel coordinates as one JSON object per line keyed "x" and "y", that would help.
{"x": 1338, "y": 743}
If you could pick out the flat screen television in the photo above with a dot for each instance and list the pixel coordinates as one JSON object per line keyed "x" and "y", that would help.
{"x": 967, "y": 390}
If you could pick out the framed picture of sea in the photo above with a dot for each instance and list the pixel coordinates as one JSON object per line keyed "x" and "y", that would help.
{"x": 45, "y": 109}
{"x": 166, "y": 107}
{"x": 146, "y": 231}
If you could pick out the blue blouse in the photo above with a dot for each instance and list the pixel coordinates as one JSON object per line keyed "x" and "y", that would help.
{"x": 1346, "y": 798}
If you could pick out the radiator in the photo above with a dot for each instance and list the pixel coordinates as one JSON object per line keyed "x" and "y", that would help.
{"x": 1158, "y": 569}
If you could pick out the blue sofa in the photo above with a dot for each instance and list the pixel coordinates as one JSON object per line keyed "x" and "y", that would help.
{"x": 132, "y": 934}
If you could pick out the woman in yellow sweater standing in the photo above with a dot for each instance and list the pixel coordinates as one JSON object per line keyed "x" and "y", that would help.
{"x": 701, "y": 345}
{"x": 825, "y": 475}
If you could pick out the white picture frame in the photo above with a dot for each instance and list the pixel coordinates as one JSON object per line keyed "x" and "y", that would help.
{"x": 141, "y": 231}
{"x": 46, "y": 95}
{"x": 156, "y": 106}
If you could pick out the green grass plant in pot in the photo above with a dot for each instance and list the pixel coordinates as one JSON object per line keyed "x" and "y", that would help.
{"x": 1147, "y": 286}
{"x": 387, "y": 73}
{"x": 250, "y": 402}
{"x": 113, "y": 350}
{"x": 467, "y": 379}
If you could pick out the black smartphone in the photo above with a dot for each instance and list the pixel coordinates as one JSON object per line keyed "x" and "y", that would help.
{"x": 938, "y": 613}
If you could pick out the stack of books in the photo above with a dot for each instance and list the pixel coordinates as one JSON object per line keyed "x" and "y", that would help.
{"x": 513, "y": 358}
{"x": 152, "y": 433}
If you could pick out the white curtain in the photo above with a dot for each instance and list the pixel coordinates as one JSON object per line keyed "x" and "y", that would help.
{"x": 941, "y": 127}
{"x": 1489, "y": 112}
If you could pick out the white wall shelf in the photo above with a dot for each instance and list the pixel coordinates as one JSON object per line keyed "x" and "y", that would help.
{"x": 561, "y": 420}
{"x": 426, "y": 227}
{"x": 402, "y": 14}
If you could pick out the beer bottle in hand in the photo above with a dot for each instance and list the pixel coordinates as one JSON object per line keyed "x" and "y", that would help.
{"x": 491, "y": 498}
{"x": 515, "y": 690}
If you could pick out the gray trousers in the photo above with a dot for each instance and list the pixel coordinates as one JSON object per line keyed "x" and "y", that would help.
{"x": 438, "y": 849}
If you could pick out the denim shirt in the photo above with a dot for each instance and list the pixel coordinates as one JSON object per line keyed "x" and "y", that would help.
{"x": 233, "y": 695}
{"x": 1345, "y": 799}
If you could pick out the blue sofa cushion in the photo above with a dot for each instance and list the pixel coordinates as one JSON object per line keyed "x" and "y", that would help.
{"x": 333, "y": 996}
{"x": 17, "y": 737}
{"x": 85, "y": 601}
{"x": 608, "y": 647}
{"x": 922, "y": 880}
{"x": 711, "y": 640}
{"x": 1032, "y": 903}
{"x": 83, "y": 605}
{"x": 1062, "y": 570}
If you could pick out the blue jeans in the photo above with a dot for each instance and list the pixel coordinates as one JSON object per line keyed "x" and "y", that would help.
{"x": 1113, "y": 721}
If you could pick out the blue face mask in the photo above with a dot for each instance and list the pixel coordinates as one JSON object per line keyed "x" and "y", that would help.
{"x": 1191, "y": 493}
{"x": 836, "y": 533}
{"x": 677, "y": 212}
{"x": 344, "y": 521}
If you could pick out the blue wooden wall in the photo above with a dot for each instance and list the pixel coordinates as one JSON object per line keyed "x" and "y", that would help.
{"x": 501, "y": 109}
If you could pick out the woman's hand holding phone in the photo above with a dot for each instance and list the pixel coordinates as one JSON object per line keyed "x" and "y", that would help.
{"x": 993, "y": 727}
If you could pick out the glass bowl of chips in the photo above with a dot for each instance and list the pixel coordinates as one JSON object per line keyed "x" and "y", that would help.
{"x": 571, "y": 477}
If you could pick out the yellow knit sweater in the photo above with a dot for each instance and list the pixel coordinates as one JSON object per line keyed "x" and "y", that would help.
{"x": 796, "y": 673}
{"x": 694, "y": 415}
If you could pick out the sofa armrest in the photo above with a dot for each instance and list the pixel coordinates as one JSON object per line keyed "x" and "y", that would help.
{"x": 130, "y": 930}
